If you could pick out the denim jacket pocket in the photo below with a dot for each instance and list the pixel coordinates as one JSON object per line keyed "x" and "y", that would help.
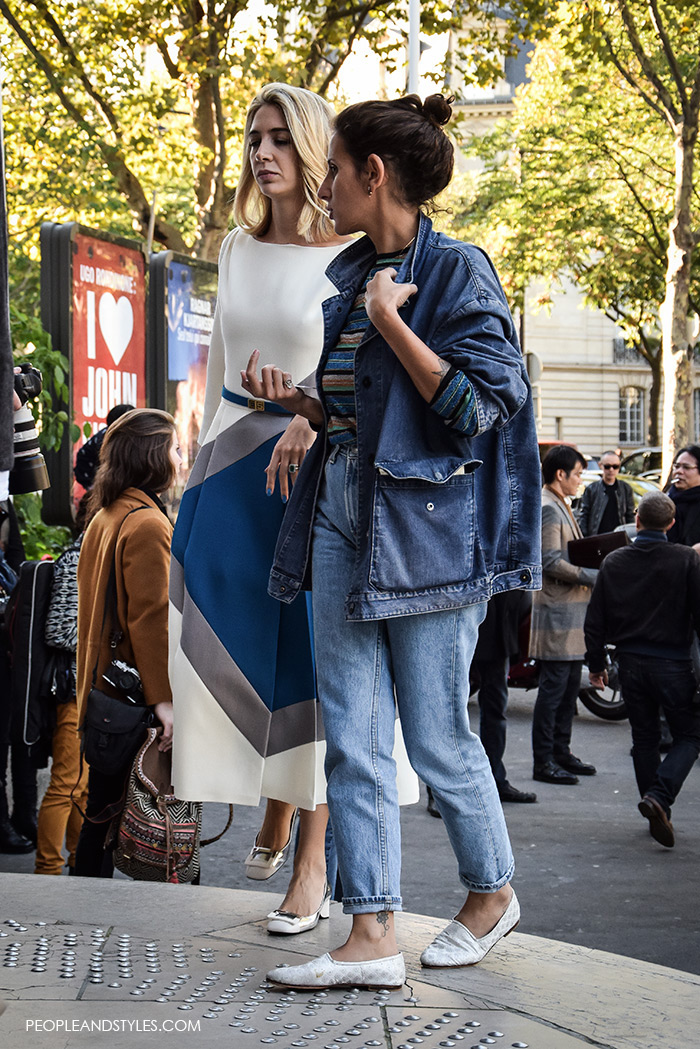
{"x": 422, "y": 532}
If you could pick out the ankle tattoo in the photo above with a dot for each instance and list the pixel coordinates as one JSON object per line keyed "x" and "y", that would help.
{"x": 383, "y": 919}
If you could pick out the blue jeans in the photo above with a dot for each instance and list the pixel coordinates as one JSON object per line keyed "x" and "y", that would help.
{"x": 650, "y": 685}
{"x": 423, "y": 661}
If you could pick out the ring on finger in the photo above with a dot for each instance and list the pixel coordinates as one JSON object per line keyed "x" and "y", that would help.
{"x": 293, "y": 467}
{"x": 288, "y": 383}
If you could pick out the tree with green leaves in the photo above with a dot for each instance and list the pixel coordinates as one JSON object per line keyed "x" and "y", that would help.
{"x": 130, "y": 98}
{"x": 579, "y": 183}
{"x": 119, "y": 113}
{"x": 653, "y": 46}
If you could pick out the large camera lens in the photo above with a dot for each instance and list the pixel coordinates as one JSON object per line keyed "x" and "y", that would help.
{"x": 126, "y": 680}
{"x": 28, "y": 473}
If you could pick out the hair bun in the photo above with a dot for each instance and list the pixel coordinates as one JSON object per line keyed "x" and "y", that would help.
{"x": 438, "y": 109}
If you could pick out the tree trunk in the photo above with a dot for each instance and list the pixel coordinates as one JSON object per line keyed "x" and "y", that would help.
{"x": 214, "y": 198}
{"x": 677, "y": 358}
{"x": 654, "y": 400}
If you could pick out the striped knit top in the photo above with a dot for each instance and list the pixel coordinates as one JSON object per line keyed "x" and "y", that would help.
{"x": 453, "y": 400}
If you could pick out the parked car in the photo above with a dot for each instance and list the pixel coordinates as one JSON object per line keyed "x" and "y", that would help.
{"x": 546, "y": 446}
{"x": 644, "y": 463}
{"x": 639, "y": 485}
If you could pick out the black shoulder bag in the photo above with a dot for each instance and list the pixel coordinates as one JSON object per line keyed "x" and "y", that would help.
{"x": 114, "y": 727}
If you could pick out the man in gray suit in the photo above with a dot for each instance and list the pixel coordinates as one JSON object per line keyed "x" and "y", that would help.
{"x": 556, "y": 633}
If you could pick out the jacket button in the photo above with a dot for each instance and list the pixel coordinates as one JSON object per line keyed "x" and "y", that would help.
{"x": 525, "y": 577}
{"x": 430, "y": 506}
{"x": 366, "y": 382}
{"x": 339, "y": 309}
{"x": 282, "y": 589}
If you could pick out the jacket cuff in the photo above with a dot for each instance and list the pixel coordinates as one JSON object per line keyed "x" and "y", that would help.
{"x": 454, "y": 401}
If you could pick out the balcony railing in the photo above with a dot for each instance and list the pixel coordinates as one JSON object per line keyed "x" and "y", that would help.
{"x": 623, "y": 353}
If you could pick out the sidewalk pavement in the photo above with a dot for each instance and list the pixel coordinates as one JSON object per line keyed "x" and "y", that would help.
{"x": 88, "y": 963}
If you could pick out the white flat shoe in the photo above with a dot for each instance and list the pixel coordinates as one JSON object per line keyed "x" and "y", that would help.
{"x": 286, "y": 923}
{"x": 325, "y": 971}
{"x": 262, "y": 863}
{"x": 456, "y": 946}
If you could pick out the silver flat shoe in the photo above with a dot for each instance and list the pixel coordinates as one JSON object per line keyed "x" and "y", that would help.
{"x": 286, "y": 923}
{"x": 389, "y": 973}
{"x": 456, "y": 946}
{"x": 262, "y": 863}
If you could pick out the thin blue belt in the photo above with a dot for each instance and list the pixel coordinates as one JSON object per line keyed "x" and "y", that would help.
{"x": 250, "y": 402}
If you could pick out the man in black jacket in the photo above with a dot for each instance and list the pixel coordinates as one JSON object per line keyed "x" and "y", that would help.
{"x": 646, "y": 602}
{"x": 607, "y": 503}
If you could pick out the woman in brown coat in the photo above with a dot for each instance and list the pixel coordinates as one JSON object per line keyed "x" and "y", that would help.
{"x": 138, "y": 461}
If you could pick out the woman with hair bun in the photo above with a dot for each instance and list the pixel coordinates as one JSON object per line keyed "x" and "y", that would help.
{"x": 420, "y": 500}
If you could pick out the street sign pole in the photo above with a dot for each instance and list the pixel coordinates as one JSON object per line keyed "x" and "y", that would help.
{"x": 413, "y": 45}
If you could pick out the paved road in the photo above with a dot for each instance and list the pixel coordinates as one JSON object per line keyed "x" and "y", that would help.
{"x": 587, "y": 870}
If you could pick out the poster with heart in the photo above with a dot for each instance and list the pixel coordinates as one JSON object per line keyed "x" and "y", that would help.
{"x": 109, "y": 329}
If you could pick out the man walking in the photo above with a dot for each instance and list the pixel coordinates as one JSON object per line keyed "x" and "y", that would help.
{"x": 646, "y": 602}
{"x": 607, "y": 503}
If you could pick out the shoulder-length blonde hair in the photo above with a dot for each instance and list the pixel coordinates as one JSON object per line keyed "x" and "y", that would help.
{"x": 309, "y": 119}
{"x": 135, "y": 453}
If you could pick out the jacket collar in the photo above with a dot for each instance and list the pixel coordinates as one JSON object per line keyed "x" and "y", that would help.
{"x": 144, "y": 496}
{"x": 350, "y": 266}
{"x": 650, "y": 535}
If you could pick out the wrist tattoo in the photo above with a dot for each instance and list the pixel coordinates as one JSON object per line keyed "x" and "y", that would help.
{"x": 442, "y": 369}
{"x": 383, "y": 919}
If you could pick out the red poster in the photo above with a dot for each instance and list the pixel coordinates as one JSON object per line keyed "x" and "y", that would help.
{"x": 109, "y": 329}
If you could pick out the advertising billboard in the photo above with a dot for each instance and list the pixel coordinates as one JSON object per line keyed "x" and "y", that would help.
{"x": 93, "y": 304}
{"x": 181, "y": 311}
{"x": 108, "y": 364}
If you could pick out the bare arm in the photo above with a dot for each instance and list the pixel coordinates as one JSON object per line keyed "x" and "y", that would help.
{"x": 288, "y": 455}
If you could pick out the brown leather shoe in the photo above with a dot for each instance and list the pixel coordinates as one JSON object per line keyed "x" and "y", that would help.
{"x": 660, "y": 826}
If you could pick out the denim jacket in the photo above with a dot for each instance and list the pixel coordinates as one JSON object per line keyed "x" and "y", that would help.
{"x": 448, "y": 519}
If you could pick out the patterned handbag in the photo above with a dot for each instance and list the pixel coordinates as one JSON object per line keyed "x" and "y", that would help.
{"x": 158, "y": 836}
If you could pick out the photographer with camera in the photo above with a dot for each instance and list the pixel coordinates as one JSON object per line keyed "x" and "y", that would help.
{"x": 123, "y": 574}
{"x": 27, "y": 473}
{"x": 17, "y": 833}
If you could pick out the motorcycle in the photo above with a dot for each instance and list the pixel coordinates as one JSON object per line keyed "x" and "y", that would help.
{"x": 607, "y": 704}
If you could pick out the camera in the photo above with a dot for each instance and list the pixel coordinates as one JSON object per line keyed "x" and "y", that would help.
{"x": 125, "y": 679}
{"x": 28, "y": 473}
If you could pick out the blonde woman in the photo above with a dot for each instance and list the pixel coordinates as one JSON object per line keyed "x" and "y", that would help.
{"x": 241, "y": 666}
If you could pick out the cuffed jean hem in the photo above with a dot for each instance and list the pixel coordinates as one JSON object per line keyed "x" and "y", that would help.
{"x": 494, "y": 886}
{"x": 371, "y": 904}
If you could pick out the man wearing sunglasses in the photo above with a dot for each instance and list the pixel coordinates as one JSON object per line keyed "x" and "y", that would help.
{"x": 606, "y": 503}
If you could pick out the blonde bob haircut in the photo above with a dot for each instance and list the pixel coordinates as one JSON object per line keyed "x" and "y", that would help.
{"x": 309, "y": 119}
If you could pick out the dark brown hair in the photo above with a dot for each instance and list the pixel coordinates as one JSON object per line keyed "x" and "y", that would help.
{"x": 689, "y": 449}
{"x": 561, "y": 457}
{"x": 408, "y": 135}
{"x": 656, "y": 511}
{"x": 134, "y": 454}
